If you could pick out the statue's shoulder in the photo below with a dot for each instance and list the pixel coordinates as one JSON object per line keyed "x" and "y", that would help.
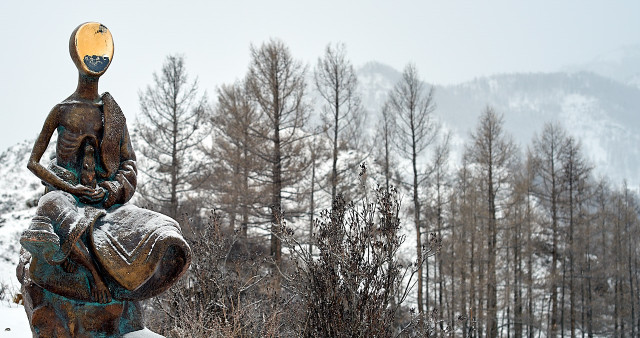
{"x": 106, "y": 96}
{"x": 112, "y": 110}
{"x": 71, "y": 102}
{"x": 67, "y": 102}
{"x": 58, "y": 109}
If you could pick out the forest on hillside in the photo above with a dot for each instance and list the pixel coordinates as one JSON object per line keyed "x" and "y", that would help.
{"x": 302, "y": 223}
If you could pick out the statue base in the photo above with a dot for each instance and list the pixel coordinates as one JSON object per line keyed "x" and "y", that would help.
{"x": 52, "y": 315}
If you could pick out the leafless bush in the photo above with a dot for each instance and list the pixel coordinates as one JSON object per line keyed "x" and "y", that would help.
{"x": 356, "y": 285}
{"x": 226, "y": 292}
{"x": 353, "y": 284}
{"x": 5, "y": 293}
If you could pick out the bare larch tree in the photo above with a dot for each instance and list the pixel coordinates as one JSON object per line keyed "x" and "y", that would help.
{"x": 383, "y": 151}
{"x": 493, "y": 153}
{"x": 413, "y": 107}
{"x": 547, "y": 150}
{"x": 172, "y": 124}
{"x": 277, "y": 84}
{"x": 336, "y": 82}
{"x": 233, "y": 180}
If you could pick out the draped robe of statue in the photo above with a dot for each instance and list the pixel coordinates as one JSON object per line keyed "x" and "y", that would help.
{"x": 90, "y": 255}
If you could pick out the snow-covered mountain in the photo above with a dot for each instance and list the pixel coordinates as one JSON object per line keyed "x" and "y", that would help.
{"x": 600, "y": 112}
{"x": 621, "y": 64}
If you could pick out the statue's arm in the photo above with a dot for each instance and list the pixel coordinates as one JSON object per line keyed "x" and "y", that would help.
{"x": 43, "y": 173}
{"x": 122, "y": 188}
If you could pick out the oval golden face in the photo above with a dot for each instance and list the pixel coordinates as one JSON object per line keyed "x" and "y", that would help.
{"x": 94, "y": 47}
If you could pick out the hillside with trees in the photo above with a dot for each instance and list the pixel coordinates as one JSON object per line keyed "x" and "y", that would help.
{"x": 327, "y": 201}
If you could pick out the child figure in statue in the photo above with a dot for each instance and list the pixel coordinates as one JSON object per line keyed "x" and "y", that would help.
{"x": 86, "y": 243}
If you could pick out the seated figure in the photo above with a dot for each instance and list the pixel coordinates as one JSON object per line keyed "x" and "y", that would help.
{"x": 90, "y": 256}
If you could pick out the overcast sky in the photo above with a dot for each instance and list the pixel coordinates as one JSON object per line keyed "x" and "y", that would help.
{"x": 449, "y": 41}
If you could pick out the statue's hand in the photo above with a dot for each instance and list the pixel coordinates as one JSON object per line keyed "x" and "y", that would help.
{"x": 81, "y": 191}
{"x": 100, "y": 193}
{"x": 90, "y": 195}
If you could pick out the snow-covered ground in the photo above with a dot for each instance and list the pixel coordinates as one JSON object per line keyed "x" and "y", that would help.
{"x": 19, "y": 190}
{"x": 13, "y": 321}
{"x": 10, "y": 231}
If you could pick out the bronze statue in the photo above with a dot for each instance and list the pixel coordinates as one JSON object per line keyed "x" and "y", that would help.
{"x": 91, "y": 256}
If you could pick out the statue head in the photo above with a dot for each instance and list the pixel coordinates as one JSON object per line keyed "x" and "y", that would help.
{"x": 91, "y": 48}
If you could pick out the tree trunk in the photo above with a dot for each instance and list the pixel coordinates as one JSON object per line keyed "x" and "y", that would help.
{"x": 572, "y": 292}
{"x": 312, "y": 205}
{"x": 334, "y": 167}
{"x": 245, "y": 190}
{"x": 173, "y": 204}
{"x": 416, "y": 215}
{"x": 472, "y": 283}
{"x": 276, "y": 191}
{"x": 554, "y": 254}
{"x": 440, "y": 267}
{"x": 630, "y": 253}
{"x": 517, "y": 281}
{"x": 530, "y": 314}
{"x": 492, "y": 290}
{"x": 562, "y": 292}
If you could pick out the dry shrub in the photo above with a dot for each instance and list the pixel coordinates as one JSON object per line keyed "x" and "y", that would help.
{"x": 353, "y": 284}
{"x": 226, "y": 292}
{"x": 356, "y": 285}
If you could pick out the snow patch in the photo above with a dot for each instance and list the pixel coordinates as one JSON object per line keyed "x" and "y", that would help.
{"x": 13, "y": 321}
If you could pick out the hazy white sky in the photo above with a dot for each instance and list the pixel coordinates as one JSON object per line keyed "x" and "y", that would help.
{"x": 449, "y": 41}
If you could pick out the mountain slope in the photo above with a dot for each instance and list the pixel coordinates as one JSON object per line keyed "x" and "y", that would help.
{"x": 598, "y": 111}
{"x": 621, "y": 64}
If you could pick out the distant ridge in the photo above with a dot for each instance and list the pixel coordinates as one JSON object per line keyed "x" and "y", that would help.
{"x": 604, "y": 114}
